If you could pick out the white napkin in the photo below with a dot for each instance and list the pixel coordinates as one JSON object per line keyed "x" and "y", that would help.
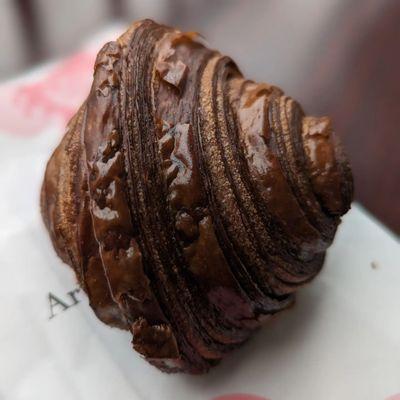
{"x": 340, "y": 341}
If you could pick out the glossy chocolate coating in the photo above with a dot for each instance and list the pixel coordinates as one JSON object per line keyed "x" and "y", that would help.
{"x": 190, "y": 202}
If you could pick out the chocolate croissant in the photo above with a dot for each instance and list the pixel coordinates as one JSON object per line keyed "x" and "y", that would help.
{"x": 190, "y": 202}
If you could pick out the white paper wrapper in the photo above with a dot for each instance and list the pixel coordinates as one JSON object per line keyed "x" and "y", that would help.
{"x": 340, "y": 341}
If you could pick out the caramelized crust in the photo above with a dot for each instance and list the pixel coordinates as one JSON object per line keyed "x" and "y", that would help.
{"x": 190, "y": 202}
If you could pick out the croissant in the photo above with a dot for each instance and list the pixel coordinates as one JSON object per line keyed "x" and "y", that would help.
{"x": 190, "y": 202}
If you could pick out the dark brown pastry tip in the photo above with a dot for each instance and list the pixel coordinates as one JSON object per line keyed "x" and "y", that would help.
{"x": 190, "y": 202}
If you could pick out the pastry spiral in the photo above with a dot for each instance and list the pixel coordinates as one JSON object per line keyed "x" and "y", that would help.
{"x": 190, "y": 202}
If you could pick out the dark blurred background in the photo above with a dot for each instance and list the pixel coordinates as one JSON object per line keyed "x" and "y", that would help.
{"x": 337, "y": 57}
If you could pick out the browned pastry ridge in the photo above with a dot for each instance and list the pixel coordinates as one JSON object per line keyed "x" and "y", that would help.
{"x": 190, "y": 202}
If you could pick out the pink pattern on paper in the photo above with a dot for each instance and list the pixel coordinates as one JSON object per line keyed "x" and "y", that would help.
{"x": 395, "y": 397}
{"x": 239, "y": 396}
{"x": 26, "y": 109}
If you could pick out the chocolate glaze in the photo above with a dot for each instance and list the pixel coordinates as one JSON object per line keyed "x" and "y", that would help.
{"x": 190, "y": 202}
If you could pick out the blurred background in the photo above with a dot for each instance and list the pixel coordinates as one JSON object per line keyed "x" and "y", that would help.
{"x": 337, "y": 57}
